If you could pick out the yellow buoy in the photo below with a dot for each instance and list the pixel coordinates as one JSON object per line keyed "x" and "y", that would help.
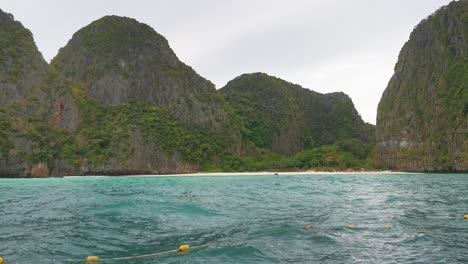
{"x": 351, "y": 226}
{"x": 184, "y": 248}
{"x": 92, "y": 259}
{"x": 1, "y": 260}
{"x": 465, "y": 216}
{"x": 309, "y": 228}
{"x": 387, "y": 226}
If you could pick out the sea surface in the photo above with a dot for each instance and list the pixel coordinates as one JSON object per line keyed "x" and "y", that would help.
{"x": 404, "y": 218}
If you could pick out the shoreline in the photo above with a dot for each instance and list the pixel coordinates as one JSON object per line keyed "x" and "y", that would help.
{"x": 279, "y": 173}
{"x": 244, "y": 174}
{"x": 261, "y": 173}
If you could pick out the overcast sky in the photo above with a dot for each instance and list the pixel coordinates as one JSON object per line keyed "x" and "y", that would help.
{"x": 324, "y": 45}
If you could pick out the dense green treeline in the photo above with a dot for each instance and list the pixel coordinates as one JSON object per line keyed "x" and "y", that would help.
{"x": 350, "y": 154}
{"x": 287, "y": 118}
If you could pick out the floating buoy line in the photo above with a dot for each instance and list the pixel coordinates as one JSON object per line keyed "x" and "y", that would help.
{"x": 96, "y": 259}
{"x": 181, "y": 249}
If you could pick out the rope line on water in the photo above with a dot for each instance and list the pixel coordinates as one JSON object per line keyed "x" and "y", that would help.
{"x": 183, "y": 248}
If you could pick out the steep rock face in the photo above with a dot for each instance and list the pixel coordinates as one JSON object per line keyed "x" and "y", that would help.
{"x": 21, "y": 65}
{"x": 142, "y": 111}
{"x": 118, "y": 60}
{"x": 287, "y": 118}
{"x": 115, "y": 101}
{"x": 422, "y": 122}
{"x": 33, "y": 102}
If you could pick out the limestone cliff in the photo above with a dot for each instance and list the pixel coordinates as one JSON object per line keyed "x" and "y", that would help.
{"x": 422, "y": 122}
{"x": 117, "y": 60}
{"x": 287, "y": 118}
{"x": 33, "y": 102}
{"x": 142, "y": 110}
{"x": 116, "y": 100}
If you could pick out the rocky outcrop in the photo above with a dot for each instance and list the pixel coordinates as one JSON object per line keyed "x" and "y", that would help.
{"x": 422, "y": 116}
{"x": 118, "y": 59}
{"x": 287, "y": 118}
{"x": 146, "y": 157}
{"x": 115, "y": 101}
{"x": 33, "y": 101}
{"x": 22, "y": 68}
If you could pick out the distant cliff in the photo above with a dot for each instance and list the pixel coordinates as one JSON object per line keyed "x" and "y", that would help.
{"x": 144, "y": 111}
{"x": 115, "y": 100}
{"x": 33, "y": 102}
{"x": 118, "y": 60}
{"x": 422, "y": 122}
{"x": 286, "y": 118}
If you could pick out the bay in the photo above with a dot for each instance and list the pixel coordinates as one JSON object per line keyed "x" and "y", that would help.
{"x": 400, "y": 218}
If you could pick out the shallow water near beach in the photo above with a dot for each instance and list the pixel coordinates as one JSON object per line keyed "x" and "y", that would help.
{"x": 414, "y": 218}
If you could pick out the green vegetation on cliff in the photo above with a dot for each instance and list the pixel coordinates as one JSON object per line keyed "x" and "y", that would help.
{"x": 118, "y": 59}
{"x": 106, "y": 131}
{"x": 5, "y": 129}
{"x": 117, "y": 100}
{"x": 286, "y": 118}
{"x": 120, "y": 102}
{"x": 15, "y": 42}
{"x": 26, "y": 104}
{"x": 422, "y": 116}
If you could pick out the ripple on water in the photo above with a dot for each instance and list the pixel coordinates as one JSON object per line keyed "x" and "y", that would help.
{"x": 243, "y": 219}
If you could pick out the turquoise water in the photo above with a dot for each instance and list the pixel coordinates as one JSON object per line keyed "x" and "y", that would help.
{"x": 250, "y": 219}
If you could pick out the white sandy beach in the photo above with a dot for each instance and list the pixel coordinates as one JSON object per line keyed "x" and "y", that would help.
{"x": 269, "y": 173}
{"x": 262, "y": 173}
